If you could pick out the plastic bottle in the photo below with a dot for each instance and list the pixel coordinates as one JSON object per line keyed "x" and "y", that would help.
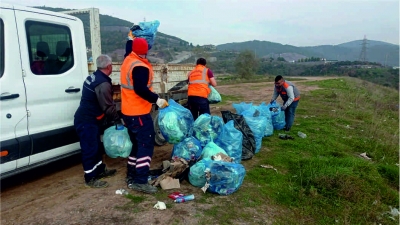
{"x": 184, "y": 198}
{"x": 301, "y": 134}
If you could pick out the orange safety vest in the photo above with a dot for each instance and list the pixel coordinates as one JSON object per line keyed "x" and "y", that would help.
{"x": 198, "y": 82}
{"x": 131, "y": 103}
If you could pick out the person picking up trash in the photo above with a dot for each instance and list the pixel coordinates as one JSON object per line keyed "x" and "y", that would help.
{"x": 290, "y": 96}
{"x": 137, "y": 98}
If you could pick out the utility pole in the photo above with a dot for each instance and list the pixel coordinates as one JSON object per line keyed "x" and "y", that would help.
{"x": 363, "y": 53}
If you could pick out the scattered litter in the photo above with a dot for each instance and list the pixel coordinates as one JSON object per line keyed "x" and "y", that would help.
{"x": 333, "y": 110}
{"x": 175, "y": 195}
{"x": 184, "y": 198}
{"x": 397, "y": 164}
{"x": 301, "y": 134}
{"x": 394, "y": 212}
{"x": 364, "y": 155}
{"x": 269, "y": 167}
{"x": 121, "y": 192}
{"x": 160, "y": 205}
{"x": 285, "y": 137}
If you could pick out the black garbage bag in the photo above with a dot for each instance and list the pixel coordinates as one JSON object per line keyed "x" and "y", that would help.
{"x": 249, "y": 143}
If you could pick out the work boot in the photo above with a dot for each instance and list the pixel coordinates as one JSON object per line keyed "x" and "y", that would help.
{"x": 146, "y": 188}
{"x": 129, "y": 180}
{"x": 107, "y": 173}
{"x": 96, "y": 183}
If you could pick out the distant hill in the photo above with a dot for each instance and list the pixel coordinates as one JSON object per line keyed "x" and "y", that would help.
{"x": 168, "y": 48}
{"x": 114, "y": 31}
{"x": 377, "y": 51}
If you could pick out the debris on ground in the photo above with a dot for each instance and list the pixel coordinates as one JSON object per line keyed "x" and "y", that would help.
{"x": 121, "y": 192}
{"x": 364, "y": 155}
{"x": 269, "y": 167}
{"x": 160, "y": 206}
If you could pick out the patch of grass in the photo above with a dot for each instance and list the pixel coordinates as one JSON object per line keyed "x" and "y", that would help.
{"x": 135, "y": 199}
{"x": 229, "y": 98}
{"x": 322, "y": 179}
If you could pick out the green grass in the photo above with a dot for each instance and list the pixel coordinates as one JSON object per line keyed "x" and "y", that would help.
{"x": 321, "y": 179}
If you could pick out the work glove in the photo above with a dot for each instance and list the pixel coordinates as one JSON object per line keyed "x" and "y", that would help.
{"x": 161, "y": 103}
{"x": 130, "y": 35}
{"x": 283, "y": 108}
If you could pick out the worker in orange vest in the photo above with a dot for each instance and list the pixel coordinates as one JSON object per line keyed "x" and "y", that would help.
{"x": 199, "y": 80}
{"x": 290, "y": 96}
{"x": 137, "y": 98}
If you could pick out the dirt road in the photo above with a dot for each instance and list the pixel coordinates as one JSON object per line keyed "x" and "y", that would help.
{"x": 55, "y": 193}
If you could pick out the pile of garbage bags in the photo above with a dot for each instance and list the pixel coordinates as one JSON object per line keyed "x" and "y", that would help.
{"x": 213, "y": 146}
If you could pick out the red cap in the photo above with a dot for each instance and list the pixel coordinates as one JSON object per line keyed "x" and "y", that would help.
{"x": 140, "y": 46}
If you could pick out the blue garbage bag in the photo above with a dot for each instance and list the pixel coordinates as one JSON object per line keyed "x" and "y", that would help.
{"x": 146, "y": 30}
{"x": 197, "y": 175}
{"x": 189, "y": 149}
{"x": 117, "y": 143}
{"x": 230, "y": 139}
{"x": 278, "y": 116}
{"x": 226, "y": 177}
{"x": 264, "y": 111}
{"x": 206, "y": 128}
{"x": 211, "y": 149}
{"x": 240, "y": 107}
{"x": 214, "y": 97}
{"x": 257, "y": 124}
{"x": 175, "y": 122}
{"x": 278, "y": 121}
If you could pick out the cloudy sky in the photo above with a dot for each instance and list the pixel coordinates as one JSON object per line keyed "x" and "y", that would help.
{"x": 294, "y": 22}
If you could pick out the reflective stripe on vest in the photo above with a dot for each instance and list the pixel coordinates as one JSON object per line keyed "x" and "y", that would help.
{"x": 203, "y": 78}
{"x": 128, "y": 77}
{"x": 131, "y": 103}
{"x": 199, "y": 87}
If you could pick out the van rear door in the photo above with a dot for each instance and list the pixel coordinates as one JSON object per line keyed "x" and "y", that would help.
{"x": 54, "y": 77}
{"x": 15, "y": 142}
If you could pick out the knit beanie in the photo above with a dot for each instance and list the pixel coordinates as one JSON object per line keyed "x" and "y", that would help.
{"x": 140, "y": 46}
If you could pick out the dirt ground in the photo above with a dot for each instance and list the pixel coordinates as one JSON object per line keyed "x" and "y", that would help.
{"x": 55, "y": 193}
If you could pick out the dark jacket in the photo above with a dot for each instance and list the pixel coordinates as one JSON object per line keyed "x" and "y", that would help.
{"x": 97, "y": 100}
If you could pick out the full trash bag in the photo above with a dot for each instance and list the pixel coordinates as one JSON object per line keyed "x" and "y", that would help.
{"x": 240, "y": 107}
{"x": 248, "y": 143}
{"x": 206, "y": 128}
{"x": 175, "y": 122}
{"x": 257, "y": 124}
{"x": 197, "y": 175}
{"x": 278, "y": 116}
{"x": 117, "y": 142}
{"x": 214, "y": 97}
{"x": 226, "y": 177}
{"x": 211, "y": 149}
{"x": 189, "y": 149}
{"x": 146, "y": 30}
{"x": 231, "y": 139}
{"x": 264, "y": 111}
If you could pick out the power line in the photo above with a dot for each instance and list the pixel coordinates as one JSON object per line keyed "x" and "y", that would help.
{"x": 363, "y": 53}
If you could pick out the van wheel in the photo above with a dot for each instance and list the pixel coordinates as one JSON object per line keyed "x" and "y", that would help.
{"x": 158, "y": 137}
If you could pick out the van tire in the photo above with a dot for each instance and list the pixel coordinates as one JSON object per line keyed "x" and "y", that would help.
{"x": 158, "y": 137}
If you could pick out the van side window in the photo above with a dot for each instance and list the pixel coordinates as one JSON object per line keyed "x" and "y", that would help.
{"x": 50, "y": 48}
{"x": 1, "y": 48}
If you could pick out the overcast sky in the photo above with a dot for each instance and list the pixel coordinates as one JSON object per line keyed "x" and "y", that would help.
{"x": 294, "y": 22}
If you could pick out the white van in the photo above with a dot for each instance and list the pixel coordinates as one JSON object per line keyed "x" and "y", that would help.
{"x": 43, "y": 64}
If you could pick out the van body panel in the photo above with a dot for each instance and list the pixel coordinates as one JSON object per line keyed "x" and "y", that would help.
{"x": 53, "y": 92}
{"x": 13, "y": 115}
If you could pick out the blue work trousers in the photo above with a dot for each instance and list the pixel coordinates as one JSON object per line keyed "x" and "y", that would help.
{"x": 141, "y": 131}
{"x": 289, "y": 114}
{"x": 198, "y": 105}
{"x": 91, "y": 148}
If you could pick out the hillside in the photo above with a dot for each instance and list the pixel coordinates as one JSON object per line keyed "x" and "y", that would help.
{"x": 377, "y": 51}
{"x": 113, "y": 38}
{"x": 168, "y": 48}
